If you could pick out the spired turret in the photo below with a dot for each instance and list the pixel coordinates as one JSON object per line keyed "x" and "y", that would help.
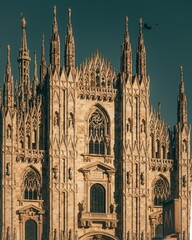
{"x": 24, "y": 67}
{"x": 183, "y": 160}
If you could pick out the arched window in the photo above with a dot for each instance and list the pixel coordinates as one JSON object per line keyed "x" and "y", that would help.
{"x": 31, "y": 229}
{"x": 159, "y": 231}
{"x": 97, "y": 198}
{"x": 161, "y": 191}
{"x": 99, "y": 141}
{"x": 31, "y": 185}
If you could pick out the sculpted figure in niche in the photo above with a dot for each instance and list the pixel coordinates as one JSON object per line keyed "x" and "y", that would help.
{"x": 55, "y": 234}
{"x": 8, "y": 169}
{"x": 9, "y": 132}
{"x": 71, "y": 119}
{"x": 70, "y": 234}
{"x": 8, "y": 234}
{"x": 184, "y": 145}
{"x": 129, "y": 175}
{"x": 142, "y": 178}
{"x": 129, "y": 125}
{"x": 56, "y": 119}
{"x": 143, "y": 126}
{"x": 70, "y": 174}
{"x": 128, "y": 236}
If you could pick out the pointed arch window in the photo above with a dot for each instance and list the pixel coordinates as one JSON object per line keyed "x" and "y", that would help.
{"x": 32, "y": 185}
{"x": 99, "y": 140}
{"x": 97, "y": 198}
{"x": 161, "y": 191}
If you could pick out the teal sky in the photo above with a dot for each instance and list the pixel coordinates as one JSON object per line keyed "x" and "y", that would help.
{"x": 99, "y": 24}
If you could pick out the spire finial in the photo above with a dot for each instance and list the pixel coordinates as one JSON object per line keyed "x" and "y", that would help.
{"x": 55, "y": 28}
{"x": 126, "y": 24}
{"x": 140, "y": 25}
{"x": 35, "y": 64}
{"x": 43, "y": 48}
{"x": 54, "y": 11}
{"x": 8, "y": 68}
{"x": 8, "y": 54}
{"x": 69, "y": 15}
{"x": 181, "y": 73}
{"x": 24, "y": 37}
{"x": 23, "y": 22}
{"x": 159, "y": 108}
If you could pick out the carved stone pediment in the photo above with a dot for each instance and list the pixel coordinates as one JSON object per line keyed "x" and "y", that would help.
{"x": 30, "y": 210}
{"x": 97, "y": 165}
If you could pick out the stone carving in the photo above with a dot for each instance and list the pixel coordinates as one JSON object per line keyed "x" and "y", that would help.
{"x": 9, "y": 131}
{"x": 129, "y": 176}
{"x": 81, "y": 206}
{"x": 142, "y": 236}
{"x": 56, "y": 119}
{"x": 184, "y": 181}
{"x": 8, "y": 169}
{"x": 70, "y": 173}
{"x": 128, "y": 235}
{"x": 142, "y": 178}
{"x": 15, "y": 234}
{"x": 55, "y": 171}
{"x": 70, "y": 234}
{"x": 55, "y": 234}
{"x": 8, "y": 237}
{"x": 71, "y": 119}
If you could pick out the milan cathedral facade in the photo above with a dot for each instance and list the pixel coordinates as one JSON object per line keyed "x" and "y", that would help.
{"x": 83, "y": 154}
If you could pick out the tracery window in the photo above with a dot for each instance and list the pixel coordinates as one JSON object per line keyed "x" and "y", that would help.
{"x": 99, "y": 141}
{"x": 161, "y": 191}
{"x": 97, "y": 198}
{"x": 31, "y": 185}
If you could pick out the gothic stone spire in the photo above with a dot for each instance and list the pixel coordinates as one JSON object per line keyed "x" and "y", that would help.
{"x": 55, "y": 44}
{"x": 8, "y": 95}
{"x": 43, "y": 67}
{"x": 69, "y": 45}
{"x": 182, "y": 100}
{"x": 24, "y": 62}
{"x": 141, "y": 55}
{"x": 126, "y": 55}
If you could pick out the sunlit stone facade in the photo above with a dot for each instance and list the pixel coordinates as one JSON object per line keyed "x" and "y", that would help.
{"x": 83, "y": 154}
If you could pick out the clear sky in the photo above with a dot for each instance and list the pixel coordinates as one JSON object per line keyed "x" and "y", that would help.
{"x": 99, "y": 24}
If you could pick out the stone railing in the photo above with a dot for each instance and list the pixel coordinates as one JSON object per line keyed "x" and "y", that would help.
{"x": 96, "y": 93}
{"x": 109, "y": 220}
{"x": 30, "y": 155}
{"x": 157, "y": 164}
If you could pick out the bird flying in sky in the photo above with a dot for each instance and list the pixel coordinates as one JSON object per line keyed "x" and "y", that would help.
{"x": 149, "y": 27}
